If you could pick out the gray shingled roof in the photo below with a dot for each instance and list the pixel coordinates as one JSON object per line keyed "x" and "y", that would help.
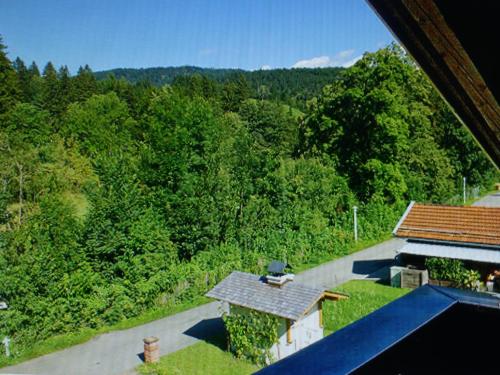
{"x": 290, "y": 301}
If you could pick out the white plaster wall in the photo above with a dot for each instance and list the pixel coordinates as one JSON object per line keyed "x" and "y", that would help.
{"x": 304, "y": 332}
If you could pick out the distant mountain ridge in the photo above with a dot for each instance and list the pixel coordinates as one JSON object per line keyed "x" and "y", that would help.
{"x": 165, "y": 75}
{"x": 160, "y": 76}
{"x": 283, "y": 84}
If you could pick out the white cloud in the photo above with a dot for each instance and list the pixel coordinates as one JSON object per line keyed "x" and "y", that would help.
{"x": 315, "y": 62}
{"x": 343, "y": 58}
{"x": 207, "y": 51}
{"x": 265, "y": 67}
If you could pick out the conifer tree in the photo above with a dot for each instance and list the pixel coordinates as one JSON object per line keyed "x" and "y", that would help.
{"x": 65, "y": 89}
{"x": 50, "y": 89}
{"x": 34, "y": 71}
{"x": 85, "y": 84}
{"x": 36, "y": 82}
{"x": 24, "y": 79}
{"x": 9, "y": 89}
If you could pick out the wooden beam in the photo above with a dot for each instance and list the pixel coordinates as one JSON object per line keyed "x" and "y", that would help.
{"x": 423, "y": 30}
{"x": 288, "y": 331}
{"x": 444, "y": 40}
{"x": 334, "y": 296}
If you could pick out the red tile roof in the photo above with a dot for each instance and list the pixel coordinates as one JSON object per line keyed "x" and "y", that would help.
{"x": 470, "y": 224}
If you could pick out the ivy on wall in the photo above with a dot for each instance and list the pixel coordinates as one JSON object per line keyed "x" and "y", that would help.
{"x": 252, "y": 334}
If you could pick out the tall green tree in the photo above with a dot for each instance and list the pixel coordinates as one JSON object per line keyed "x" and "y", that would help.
{"x": 50, "y": 89}
{"x": 272, "y": 125}
{"x": 36, "y": 84}
{"x": 85, "y": 84}
{"x": 65, "y": 91}
{"x": 101, "y": 125}
{"x": 24, "y": 78}
{"x": 9, "y": 88}
{"x": 374, "y": 123}
{"x": 33, "y": 69}
{"x": 234, "y": 92}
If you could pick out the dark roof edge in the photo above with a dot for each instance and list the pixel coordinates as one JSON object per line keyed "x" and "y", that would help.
{"x": 430, "y": 241}
{"x": 415, "y": 328}
{"x": 469, "y": 297}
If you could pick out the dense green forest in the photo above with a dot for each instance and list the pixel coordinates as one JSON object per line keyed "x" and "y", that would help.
{"x": 118, "y": 197}
{"x": 291, "y": 86}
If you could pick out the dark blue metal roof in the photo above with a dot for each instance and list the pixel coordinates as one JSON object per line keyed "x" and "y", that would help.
{"x": 355, "y": 345}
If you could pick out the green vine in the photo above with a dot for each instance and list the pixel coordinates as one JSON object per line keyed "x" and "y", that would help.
{"x": 252, "y": 334}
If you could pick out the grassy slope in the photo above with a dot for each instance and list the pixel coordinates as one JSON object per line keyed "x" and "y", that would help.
{"x": 206, "y": 359}
{"x": 365, "y": 297}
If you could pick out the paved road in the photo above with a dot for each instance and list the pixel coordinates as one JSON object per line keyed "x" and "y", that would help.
{"x": 119, "y": 352}
{"x": 492, "y": 200}
{"x": 361, "y": 265}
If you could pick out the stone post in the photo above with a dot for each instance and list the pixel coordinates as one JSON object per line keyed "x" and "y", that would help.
{"x": 151, "y": 349}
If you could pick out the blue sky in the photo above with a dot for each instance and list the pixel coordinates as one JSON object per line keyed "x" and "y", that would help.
{"x": 209, "y": 33}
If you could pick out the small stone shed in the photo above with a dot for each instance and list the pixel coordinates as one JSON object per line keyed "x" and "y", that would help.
{"x": 299, "y": 306}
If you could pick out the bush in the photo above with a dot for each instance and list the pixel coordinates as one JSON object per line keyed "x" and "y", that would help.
{"x": 452, "y": 270}
{"x": 252, "y": 334}
{"x": 445, "y": 269}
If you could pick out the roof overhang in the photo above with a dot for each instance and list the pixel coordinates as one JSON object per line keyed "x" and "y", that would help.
{"x": 453, "y": 42}
{"x": 474, "y": 254}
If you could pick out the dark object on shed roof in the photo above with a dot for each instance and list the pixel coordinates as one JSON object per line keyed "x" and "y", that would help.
{"x": 420, "y": 333}
{"x": 291, "y": 301}
{"x": 277, "y": 267}
{"x": 454, "y": 224}
{"x": 452, "y": 41}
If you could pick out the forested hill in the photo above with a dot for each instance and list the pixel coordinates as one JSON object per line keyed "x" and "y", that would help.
{"x": 160, "y": 76}
{"x": 281, "y": 84}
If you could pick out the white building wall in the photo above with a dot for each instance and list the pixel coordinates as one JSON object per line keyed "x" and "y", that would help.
{"x": 304, "y": 332}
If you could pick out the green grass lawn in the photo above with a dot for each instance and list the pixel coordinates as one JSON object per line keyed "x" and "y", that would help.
{"x": 199, "y": 359}
{"x": 364, "y": 297}
{"x": 207, "y": 359}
